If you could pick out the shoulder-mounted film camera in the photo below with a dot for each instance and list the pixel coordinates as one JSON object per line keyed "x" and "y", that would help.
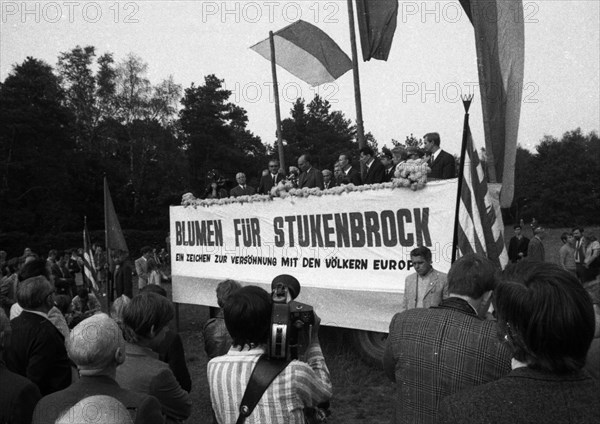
{"x": 291, "y": 321}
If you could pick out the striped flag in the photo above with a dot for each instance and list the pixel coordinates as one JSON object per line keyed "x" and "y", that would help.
{"x": 89, "y": 267}
{"x": 307, "y": 52}
{"x": 480, "y": 228}
{"x": 500, "y": 43}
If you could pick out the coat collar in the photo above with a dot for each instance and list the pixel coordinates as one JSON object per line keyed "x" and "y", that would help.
{"x": 457, "y": 304}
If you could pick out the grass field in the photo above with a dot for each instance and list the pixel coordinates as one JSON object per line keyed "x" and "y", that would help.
{"x": 362, "y": 393}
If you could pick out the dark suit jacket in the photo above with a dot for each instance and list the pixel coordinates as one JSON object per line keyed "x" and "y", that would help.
{"x": 142, "y": 408}
{"x": 332, "y": 183}
{"x": 18, "y": 397}
{"x": 123, "y": 280}
{"x": 527, "y": 396}
{"x": 432, "y": 353}
{"x": 37, "y": 351}
{"x": 143, "y": 372}
{"x": 238, "y": 191}
{"x": 535, "y": 250}
{"x": 443, "y": 167}
{"x": 310, "y": 179}
{"x": 516, "y": 246}
{"x": 388, "y": 174}
{"x": 375, "y": 174}
{"x": 171, "y": 352}
{"x": 353, "y": 177}
{"x": 266, "y": 183}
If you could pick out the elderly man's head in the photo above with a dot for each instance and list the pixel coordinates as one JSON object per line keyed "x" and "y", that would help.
{"x": 36, "y": 294}
{"x": 240, "y": 177}
{"x": 96, "y": 345}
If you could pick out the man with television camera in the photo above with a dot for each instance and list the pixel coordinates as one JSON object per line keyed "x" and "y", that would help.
{"x": 259, "y": 380}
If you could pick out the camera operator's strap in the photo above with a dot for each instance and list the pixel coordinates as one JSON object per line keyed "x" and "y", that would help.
{"x": 262, "y": 376}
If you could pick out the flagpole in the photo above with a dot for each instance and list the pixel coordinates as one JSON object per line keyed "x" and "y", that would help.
{"x": 277, "y": 110}
{"x": 461, "y": 170}
{"x": 108, "y": 254}
{"x": 360, "y": 132}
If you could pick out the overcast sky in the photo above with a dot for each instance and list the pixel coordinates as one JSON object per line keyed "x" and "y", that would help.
{"x": 417, "y": 90}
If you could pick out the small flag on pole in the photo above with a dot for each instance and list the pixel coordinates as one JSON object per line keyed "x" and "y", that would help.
{"x": 89, "y": 267}
{"x": 307, "y": 52}
{"x": 480, "y": 228}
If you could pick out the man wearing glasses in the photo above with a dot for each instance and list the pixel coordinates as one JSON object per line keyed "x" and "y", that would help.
{"x": 37, "y": 349}
{"x": 271, "y": 178}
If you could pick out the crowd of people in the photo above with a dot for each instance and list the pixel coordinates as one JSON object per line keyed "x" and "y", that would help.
{"x": 533, "y": 356}
{"x": 371, "y": 169}
{"x": 579, "y": 253}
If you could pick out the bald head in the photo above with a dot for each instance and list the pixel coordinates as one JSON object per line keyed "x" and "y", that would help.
{"x": 96, "y": 409}
{"x": 96, "y": 344}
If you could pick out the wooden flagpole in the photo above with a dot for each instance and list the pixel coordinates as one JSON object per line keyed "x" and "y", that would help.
{"x": 277, "y": 110}
{"x": 461, "y": 172}
{"x": 360, "y": 132}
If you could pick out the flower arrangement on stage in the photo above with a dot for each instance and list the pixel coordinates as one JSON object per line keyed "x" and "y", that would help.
{"x": 410, "y": 174}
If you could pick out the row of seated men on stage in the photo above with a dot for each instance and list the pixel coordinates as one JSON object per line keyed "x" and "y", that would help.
{"x": 536, "y": 359}
{"x": 376, "y": 170}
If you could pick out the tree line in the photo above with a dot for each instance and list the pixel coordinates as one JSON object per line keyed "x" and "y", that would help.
{"x": 64, "y": 127}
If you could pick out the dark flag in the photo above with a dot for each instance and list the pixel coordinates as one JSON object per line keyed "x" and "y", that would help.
{"x": 377, "y": 21}
{"x": 500, "y": 43}
{"x": 114, "y": 236}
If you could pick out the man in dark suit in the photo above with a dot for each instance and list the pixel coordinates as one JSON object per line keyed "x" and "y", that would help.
{"x": 328, "y": 181}
{"x": 271, "y": 178}
{"x": 37, "y": 349}
{"x": 18, "y": 395}
{"x": 310, "y": 177}
{"x": 351, "y": 174}
{"x": 387, "y": 160}
{"x": 241, "y": 189}
{"x": 123, "y": 275}
{"x": 535, "y": 250}
{"x": 432, "y": 353}
{"x": 97, "y": 358}
{"x": 374, "y": 172}
{"x": 517, "y": 247}
{"x": 442, "y": 164}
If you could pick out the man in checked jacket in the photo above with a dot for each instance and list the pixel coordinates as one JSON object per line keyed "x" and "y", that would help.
{"x": 432, "y": 353}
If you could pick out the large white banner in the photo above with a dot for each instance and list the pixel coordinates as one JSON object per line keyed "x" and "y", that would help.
{"x": 343, "y": 249}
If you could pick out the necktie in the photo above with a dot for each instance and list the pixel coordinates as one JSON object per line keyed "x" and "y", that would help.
{"x": 580, "y": 254}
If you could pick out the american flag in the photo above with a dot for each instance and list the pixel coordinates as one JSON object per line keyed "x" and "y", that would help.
{"x": 89, "y": 267}
{"x": 480, "y": 228}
